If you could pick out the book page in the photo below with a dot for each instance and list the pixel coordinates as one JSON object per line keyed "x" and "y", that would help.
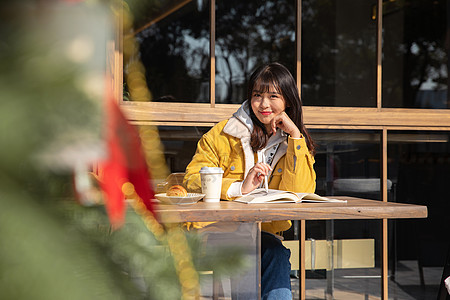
{"x": 260, "y": 195}
{"x": 311, "y": 197}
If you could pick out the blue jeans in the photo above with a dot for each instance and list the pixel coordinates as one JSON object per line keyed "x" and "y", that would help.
{"x": 275, "y": 269}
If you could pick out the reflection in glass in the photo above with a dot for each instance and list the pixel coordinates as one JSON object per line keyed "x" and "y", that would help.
{"x": 419, "y": 165}
{"x": 347, "y": 163}
{"x": 180, "y": 144}
{"x": 344, "y": 159}
{"x": 356, "y": 259}
{"x": 338, "y": 53}
{"x": 248, "y": 34}
{"x": 174, "y": 48}
{"x": 415, "y": 54}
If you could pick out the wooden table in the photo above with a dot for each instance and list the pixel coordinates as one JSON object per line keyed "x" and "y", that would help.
{"x": 229, "y": 211}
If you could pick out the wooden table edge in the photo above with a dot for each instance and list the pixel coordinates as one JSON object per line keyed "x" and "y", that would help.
{"x": 229, "y": 211}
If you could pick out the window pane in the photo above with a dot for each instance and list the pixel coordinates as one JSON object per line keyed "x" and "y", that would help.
{"x": 419, "y": 166}
{"x": 248, "y": 34}
{"x": 347, "y": 163}
{"x": 180, "y": 144}
{"x": 347, "y": 160}
{"x": 338, "y": 53}
{"x": 415, "y": 54}
{"x": 174, "y": 48}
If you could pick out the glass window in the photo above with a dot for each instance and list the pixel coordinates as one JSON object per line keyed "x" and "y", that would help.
{"x": 419, "y": 166}
{"x": 174, "y": 48}
{"x": 180, "y": 144}
{"x": 338, "y": 53}
{"x": 415, "y": 54}
{"x": 356, "y": 260}
{"x": 248, "y": 34}
{"x": 347, "y": 163}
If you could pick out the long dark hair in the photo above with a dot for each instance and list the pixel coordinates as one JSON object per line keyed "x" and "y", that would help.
{"x": 278, "y": 76}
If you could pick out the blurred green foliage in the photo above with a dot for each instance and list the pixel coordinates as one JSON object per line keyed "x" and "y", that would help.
{"x": 52, "y": 66}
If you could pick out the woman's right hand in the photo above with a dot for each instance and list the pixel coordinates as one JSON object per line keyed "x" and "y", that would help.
{"x": 255, "y": 177}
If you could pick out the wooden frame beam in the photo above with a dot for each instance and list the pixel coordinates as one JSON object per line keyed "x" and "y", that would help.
{"x": 314, "y": 117}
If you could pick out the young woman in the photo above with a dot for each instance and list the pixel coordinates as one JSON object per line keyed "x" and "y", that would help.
{"x": 265, "y": 137}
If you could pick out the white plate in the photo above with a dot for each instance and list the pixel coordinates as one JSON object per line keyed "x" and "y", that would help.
{"x": 189, "y": 199}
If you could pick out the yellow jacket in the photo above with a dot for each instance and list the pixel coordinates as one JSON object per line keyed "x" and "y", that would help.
{"x": 227, "y": 145}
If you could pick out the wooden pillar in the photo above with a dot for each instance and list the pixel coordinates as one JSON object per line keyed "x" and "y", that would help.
{"x": 384, "y": 235}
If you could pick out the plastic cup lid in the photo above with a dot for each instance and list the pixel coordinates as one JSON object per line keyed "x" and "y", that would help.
{"x": 211, "y": 170}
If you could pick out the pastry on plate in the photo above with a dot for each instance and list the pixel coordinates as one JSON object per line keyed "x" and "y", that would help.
{"x": 176, "y": 190}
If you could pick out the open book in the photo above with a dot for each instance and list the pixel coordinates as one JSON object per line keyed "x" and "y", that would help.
{"x": 276, "y": 196}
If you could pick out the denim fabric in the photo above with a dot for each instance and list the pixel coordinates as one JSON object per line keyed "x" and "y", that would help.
{"x": 278, "y": 294}
{"x": 275, "y": 269}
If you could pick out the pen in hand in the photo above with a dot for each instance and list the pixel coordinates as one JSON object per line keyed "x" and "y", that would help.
{"x": 266, "y": 183}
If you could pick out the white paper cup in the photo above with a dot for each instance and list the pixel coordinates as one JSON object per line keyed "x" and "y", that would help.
{"x": 211, "y": 178}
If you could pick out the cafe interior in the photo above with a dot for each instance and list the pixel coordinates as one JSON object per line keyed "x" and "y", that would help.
{"x": 373, "y": 79}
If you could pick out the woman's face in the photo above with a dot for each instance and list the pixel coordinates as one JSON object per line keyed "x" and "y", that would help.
{"x": 267, "y": 104}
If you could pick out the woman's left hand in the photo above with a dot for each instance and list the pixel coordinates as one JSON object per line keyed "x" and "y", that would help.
{"x": 285, "y": 123}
